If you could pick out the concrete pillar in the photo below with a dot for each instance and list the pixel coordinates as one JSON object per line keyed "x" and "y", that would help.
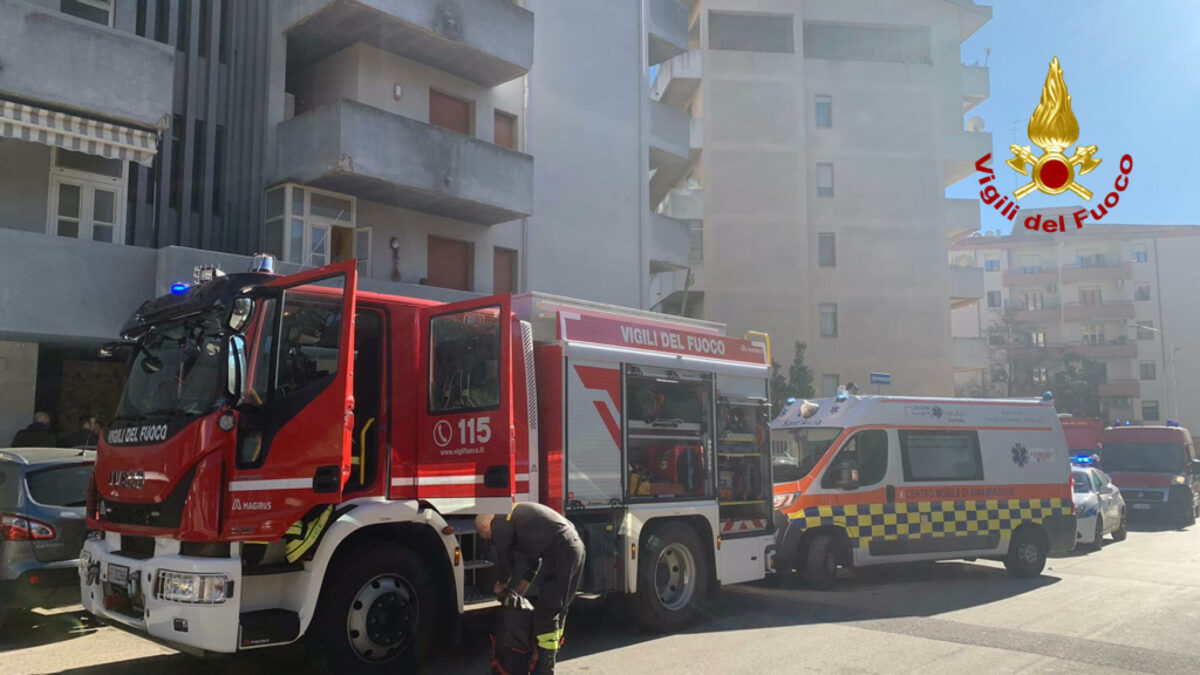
{"x": 18, "y": 381}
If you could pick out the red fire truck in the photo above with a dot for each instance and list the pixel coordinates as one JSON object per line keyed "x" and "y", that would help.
{"x": 275, "y": 470}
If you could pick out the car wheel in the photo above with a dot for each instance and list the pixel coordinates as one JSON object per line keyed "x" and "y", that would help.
{"x": 1098, "y": 536}
{"x": 1121, "y": 532}
{"x": 1026, "y": 552}
{"x": 821, "y": 563}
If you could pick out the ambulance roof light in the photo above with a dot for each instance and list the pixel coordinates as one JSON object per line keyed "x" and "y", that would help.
{"x": 1172, "y": 423}
{"x": 1048, "y": 396}
{"x": 809, "y": 408}
{"x": 841, "y": 394}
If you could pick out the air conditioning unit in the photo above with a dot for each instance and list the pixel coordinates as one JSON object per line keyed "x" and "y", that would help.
{"x": 1052, "y": 288}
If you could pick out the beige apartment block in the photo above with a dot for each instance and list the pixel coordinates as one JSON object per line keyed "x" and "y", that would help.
{"x": 1124, "y": 295}
{"x": 824, "y": 134}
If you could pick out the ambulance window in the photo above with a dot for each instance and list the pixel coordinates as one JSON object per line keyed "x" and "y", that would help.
{"x": 464, "y": 361}
{"x": 866, "y": 451}
{"x": 940, "y": 455}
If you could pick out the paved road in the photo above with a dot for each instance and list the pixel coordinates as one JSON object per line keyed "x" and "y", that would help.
{"x": 1134, "y": 606}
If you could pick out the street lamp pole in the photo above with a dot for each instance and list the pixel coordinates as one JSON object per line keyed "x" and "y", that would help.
{"x": 1170, "y": 353}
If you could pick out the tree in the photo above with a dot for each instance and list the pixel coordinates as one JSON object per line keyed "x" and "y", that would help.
{"x": 1015, "y": 363}
{"x": 1077, "y": 386}
{"x": 797, "y": 384}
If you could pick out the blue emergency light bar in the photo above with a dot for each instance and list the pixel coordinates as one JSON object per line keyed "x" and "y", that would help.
{"x": 179, "y": 288}
{"x": 1085, "y": 459}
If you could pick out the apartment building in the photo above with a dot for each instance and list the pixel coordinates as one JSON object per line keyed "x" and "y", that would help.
{"x": 824, "y": 134}
{"x": 452, "y": 148}
{"x": 1122, "y": 295}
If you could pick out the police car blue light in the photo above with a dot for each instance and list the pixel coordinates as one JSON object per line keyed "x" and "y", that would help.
{"x": 179, "y": 288}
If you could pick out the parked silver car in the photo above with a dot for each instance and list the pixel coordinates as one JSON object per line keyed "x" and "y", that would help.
{"x": 43, "y": 499}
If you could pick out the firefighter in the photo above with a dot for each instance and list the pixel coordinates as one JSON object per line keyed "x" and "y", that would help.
{"x": 535, "y": 541}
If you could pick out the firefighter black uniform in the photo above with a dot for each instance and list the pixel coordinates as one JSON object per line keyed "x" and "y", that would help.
{"x": 536, "y": 541}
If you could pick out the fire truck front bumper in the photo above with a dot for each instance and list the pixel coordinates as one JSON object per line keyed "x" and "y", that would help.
{"x": 187, "y": 602}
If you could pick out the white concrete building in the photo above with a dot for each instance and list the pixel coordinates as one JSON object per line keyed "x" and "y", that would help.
{"x": 824, "y": 135}
{"x": 1123, "y": 295}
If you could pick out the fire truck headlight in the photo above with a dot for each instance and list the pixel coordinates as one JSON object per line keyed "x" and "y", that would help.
{"x": 199, "y": 589}
{"x": 1180, "y": 480}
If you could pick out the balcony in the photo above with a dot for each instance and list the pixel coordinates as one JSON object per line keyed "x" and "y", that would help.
{"x": 666, "y": 29}
{"x": 1031, "y": 276}
{"x": 678, "y": 78}
{"x": 1112, "y": 309}
{"x": 976, "y": 86}
{"x": 1048, "y": 311}
{"x": 1097, "y": 271}
{"x": 355, "y": 149}
{"x": 696, "y": 133}
{"x": 1104, "y": 350}
{"x": 1120, "y": 388}
{"x": 960, "y": 152}
{"x": 48, "y": 58}
{"x": 485, "y": 41}
{"x": 684, "y": 204}
{"x": 670, "y": 242}
{"x": 962, "y": 218}
{"x": 966, "y": 286}
{"x": 969, "y": 354}
{"x": 670, "y": 135}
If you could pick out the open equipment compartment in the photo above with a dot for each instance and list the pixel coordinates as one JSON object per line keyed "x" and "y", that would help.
{"x": 669, "y": 422}
{"x": 743, "y": 456}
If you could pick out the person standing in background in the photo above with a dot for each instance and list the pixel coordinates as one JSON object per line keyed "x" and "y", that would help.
{"x": 37, "y": 434}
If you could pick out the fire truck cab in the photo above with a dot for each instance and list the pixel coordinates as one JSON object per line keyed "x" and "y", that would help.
{"x": 293, "y": 457}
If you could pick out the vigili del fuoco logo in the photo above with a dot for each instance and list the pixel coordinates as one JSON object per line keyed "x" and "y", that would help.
{"x": 1052, "y": 128}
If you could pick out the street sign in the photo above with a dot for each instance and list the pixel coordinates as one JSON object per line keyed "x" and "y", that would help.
{"x": 881, "y": 378}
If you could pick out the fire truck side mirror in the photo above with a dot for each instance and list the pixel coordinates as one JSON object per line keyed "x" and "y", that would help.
{"x": 235, "y": 376}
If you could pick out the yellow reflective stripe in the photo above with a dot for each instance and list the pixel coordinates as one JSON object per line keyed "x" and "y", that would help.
{"x": 297, "y": 548}
{"x": 296, "y": 529}
{"x": 549, "y": 640}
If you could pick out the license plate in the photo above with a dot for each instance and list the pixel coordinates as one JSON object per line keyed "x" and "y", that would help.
{"x": 1141, "y": 507}
{"x": 118, "y": 575}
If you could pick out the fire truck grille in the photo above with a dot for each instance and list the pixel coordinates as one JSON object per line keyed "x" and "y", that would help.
{"x": 166, "y": 514}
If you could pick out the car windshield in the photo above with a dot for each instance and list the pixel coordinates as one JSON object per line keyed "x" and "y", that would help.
{"x": 60, "y": 485}
{"x": 1160, "y": 457}
{"x": 177, "y": 369}
{"x": 1083, "y": 482}
{"x": 794, "y": 452}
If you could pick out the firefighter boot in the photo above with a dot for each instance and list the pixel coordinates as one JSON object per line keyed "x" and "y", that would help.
{"x": 545, "y": 661}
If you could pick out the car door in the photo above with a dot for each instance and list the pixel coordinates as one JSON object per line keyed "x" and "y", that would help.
{"x": 294, "y": 439}
{"x": 1104, "y": 498}
{"x": 1112, "y": 505}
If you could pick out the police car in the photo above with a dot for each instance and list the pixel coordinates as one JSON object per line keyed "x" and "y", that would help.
{"x": 1099, "y": 507}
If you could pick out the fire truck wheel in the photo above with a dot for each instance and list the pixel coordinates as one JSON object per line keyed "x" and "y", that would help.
{"x": 821, "y": 563}
{"x": 376, "y": 614}
{"x": 1026, "y": 552}
{"x": 672, "y": 578}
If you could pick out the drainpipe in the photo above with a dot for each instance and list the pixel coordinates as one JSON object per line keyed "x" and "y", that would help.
{"x": 523, "y": 282}
{"x": 643, "y": 161}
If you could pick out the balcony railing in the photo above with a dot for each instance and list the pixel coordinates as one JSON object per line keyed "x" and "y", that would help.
{"x": 962, "y": 218}
{"x": 1112, "y": 309}
{"x": 677, "y": 78}
{"x": 976, "y": 86}
{"x": 1113, "y": 349}
{"x": 1096, "y": 270}
{"x": 1031, "y": 276}
{"x": 1121, "y": 388}
{"x": 1047, "y": 304}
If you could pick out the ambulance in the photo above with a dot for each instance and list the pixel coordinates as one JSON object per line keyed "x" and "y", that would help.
{"x": 879, "y": 479}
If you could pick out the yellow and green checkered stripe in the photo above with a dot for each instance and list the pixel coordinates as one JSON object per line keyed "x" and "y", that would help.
{"x": 937, "y": 519}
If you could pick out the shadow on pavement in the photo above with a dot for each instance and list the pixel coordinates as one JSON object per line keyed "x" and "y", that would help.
{"x": 913, "y": 590}
{"x": 22, "y": 630}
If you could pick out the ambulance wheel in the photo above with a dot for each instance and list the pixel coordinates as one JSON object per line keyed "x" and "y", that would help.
{"x": 1121, "y": 532}
{"x": 376, "y": 614}
{"x": 821, "y": 563}
{"x": 672, "y": 578}
{"x": 1026, "y": 553}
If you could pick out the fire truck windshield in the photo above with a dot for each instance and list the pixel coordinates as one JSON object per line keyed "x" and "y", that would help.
{"x": 177, "y": 370}
{"x": 794, "y": 452}
{"x": 1154, "y": 457}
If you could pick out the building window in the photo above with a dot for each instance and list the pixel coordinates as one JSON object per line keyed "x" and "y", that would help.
{"x": 1145, "y": 330}
{"x": 1089, "y": 258}
{"x": 1090, "y": 297}
{"x": 829, "y": 319}
{"x": 504, "y": 270}
{"x": 96, "y": 11}
{"x": 824, "y": 111}
{"x": 451, "y": 264}
{"x": 993, "y": 299}
{"x": 1092, "y": 334}
{"x": 991, "y": 265}
{"x": 312, "y": 227}
{"x": 1038, "y": 338}
{"x": 860, "y": 42}
{"x": 1032, "y": 300}
{"x": 751, "y": 32}
{"x": 1149, "y": 411}
{"x": 1142, "y": 292}
{"x": 829, "y": 384}
{"x": 504, "y": 132}
{"x": 995, "y": 339}
{"x": 87, "y": 197}
{"x": 826, "y": 250}
{"x": 1140, "y": 253}
{"x": 824, "y": 180}
{"x": 449, "y": 112}
{"x": 1147, "y": 371}
{"x": 1040, "y": 376}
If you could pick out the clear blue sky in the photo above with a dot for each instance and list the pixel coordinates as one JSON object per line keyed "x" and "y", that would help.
{"x": 1131, "y": 69}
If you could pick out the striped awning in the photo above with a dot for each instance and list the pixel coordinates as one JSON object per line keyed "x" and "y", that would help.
{"x": 70, "y": 132}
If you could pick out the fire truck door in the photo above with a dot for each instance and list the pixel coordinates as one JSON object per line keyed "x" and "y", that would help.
{"x": 466, "y": 454}
{"x": 296, "y": 417}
